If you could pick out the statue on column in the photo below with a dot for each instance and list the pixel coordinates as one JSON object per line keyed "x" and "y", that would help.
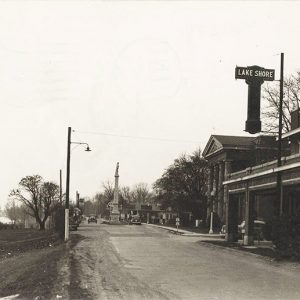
{"x": 117, "y": 170}
{"x": 115, "y": 213}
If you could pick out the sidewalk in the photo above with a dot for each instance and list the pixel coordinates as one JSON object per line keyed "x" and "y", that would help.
{"x": 216, "y": 240}
{"x": 186, "y": 232}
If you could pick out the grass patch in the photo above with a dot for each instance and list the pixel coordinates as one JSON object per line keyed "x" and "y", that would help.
{"x": 17, "y": 241}
{"x": 13, "y": 235}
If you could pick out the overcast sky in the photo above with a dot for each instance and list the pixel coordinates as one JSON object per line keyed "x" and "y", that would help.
{"x": 140, "y": 82}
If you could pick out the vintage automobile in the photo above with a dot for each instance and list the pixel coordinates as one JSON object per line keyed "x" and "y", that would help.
{"x": 73, "y": 224}
{"x": 92, "y": 219}
{"x": 135, "y": 220}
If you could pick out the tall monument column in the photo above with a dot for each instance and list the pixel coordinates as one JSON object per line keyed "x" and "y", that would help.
{"x": 115, "y": 213}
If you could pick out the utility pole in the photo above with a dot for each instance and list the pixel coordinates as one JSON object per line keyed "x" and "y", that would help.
{"x": 60, "y": 186}
{"x": 68, "y": 180}
{"x": 68, "y": 186}
{"x": 279, "y": 162}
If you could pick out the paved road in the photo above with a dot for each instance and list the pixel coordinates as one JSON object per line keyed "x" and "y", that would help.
{"x": 145, "y": 262}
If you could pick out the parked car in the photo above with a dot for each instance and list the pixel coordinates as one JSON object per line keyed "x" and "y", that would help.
{"x": 92, "y": 219}
{"x": 73, "y": 225}
{"x": 135, "y": 220}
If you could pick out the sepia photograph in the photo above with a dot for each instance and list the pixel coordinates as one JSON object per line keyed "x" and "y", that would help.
{"x": 150, "y": 150}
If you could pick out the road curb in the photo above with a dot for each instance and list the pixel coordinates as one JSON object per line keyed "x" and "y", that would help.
{"x": 186, "y": 232}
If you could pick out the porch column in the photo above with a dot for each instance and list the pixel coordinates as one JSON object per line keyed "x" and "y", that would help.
{"x": 221, "y": 190}
{"x": 232, "y": 219}
{"x": 225, "y": 188}
{"x": 215, "y": 187}
{"x": 227, "y": 171}
{"x": 249, "y": 217}
{"x": 209, "y": 190}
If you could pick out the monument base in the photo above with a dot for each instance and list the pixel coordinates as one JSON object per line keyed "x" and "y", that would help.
{"x": 114, "y": 219}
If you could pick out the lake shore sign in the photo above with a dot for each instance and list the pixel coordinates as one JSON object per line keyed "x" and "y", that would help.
{"x": 253, "y": 72}
{"x": 254, "y": 76}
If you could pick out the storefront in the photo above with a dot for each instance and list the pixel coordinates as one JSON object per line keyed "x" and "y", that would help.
{"x": 233, "y": 154}
{"x": 257, "y": 189}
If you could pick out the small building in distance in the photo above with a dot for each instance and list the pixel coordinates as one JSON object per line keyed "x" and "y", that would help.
{"x": 153, "y": 214}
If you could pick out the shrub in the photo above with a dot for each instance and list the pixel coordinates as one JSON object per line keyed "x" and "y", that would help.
{"x": 286, "y": 236}
{"x": 7, "y": 226}
{"x": 267, "y": 230}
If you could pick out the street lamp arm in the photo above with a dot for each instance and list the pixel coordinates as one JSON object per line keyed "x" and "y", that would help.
{"x": 87, "y": 145}
{"x": 79, "y": 143}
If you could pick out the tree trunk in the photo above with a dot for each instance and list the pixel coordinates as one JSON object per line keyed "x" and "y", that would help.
{"x": 42, "y": 225}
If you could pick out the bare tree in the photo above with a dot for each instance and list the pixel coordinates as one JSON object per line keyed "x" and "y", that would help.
{"x": 100, "y": 204}
{"x": 49, "y": 198}
{"x": 108, "y": 190}
{"x": 90, "y": 207}
{"x": 125, "y": 195}
{"x": 39, "y": 197}
{"x": 14, "y": 212}
{"x": 140, "y": 193}
{"x": 291, "y": 100}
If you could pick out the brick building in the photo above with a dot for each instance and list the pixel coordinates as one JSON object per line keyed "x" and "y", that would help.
{"x": 243, "y": 181}
{"x": 231, "y": 154}
{"x": 257, "y": 187}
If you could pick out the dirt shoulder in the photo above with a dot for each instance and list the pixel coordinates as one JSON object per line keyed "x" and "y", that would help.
{"x": 39, "y": 265}
{"x": 31, "y": 274}
{"x": 28, "y": 263}
{"x": 97, "y": 271}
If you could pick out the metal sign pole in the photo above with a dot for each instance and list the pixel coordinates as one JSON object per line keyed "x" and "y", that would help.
{"x": 254, "y": 77}
{"x": 279, "y": 162}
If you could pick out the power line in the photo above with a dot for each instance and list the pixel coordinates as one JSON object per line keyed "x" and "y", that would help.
{"x": 138, "y": 137}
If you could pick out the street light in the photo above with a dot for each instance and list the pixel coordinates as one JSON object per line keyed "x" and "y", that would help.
{"x": 68, "y": 180}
